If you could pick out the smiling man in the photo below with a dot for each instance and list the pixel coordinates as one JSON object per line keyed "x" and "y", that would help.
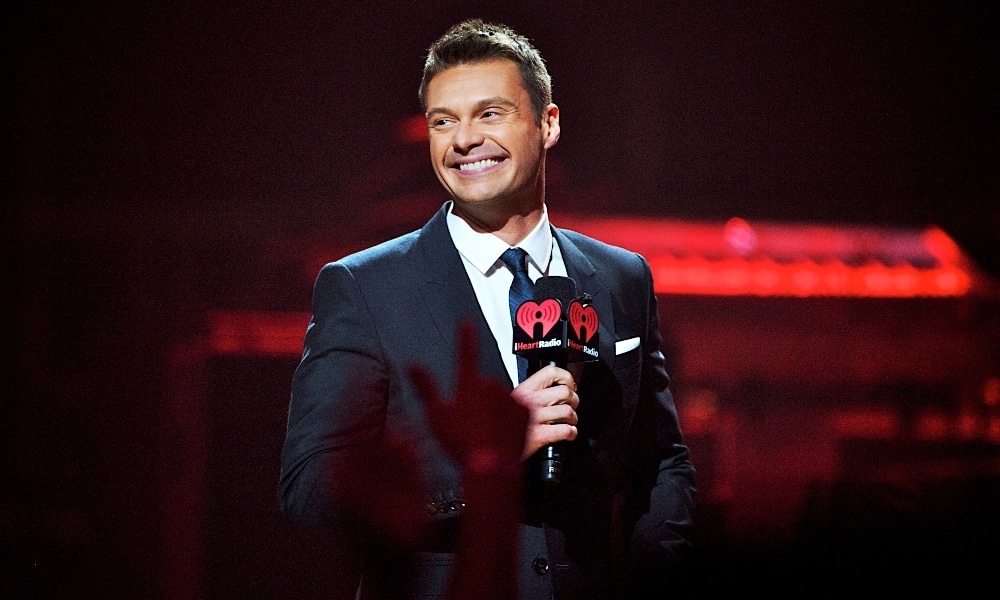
{"x": 488, "y": 144}
{"x": 616, "y": 524}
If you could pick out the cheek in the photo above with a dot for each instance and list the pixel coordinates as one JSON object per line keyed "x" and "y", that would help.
{"x": 529, "y": 142}
{"x": 437, "y": 150}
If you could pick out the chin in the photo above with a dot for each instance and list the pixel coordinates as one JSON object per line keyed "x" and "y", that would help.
{"x": 479, "y": 199}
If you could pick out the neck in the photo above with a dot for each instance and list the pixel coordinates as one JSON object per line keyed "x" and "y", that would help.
{"x": 509, "y": 218}
{"x": 511, "y": 227}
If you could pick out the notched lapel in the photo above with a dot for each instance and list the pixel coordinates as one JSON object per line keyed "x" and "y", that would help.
{"x": 603, "y": 421}
{"x": 583, "y": 272}
{"x": 450, "y": 299}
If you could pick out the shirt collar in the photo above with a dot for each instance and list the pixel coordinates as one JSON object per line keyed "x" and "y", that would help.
{"x": 483, "y": 250}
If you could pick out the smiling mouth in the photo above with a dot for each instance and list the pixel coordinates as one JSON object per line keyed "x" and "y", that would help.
{"x": 478, "y": 165}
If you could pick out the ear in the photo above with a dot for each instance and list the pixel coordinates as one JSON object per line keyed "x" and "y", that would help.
{"x": 550, "y": 125}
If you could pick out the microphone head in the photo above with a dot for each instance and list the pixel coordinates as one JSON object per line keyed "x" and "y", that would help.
{"x": 540, "y": 323}
{"x": 558, "y": 325}
{"x": 562, "y": 289}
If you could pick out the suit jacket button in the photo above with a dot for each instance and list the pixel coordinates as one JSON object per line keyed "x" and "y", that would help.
{"x": 540, "y": 566}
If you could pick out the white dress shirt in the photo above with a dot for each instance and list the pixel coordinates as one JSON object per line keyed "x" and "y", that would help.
{"x": 491, "y": 279}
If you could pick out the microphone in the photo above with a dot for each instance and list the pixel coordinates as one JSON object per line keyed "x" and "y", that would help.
{"x": 556, "y": 327}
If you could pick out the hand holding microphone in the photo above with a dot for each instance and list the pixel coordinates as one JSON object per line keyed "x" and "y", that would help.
{"x": 550, "y": 397}
{"x": 554, "y": 329}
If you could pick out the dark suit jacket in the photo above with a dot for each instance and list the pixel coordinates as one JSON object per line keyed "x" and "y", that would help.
{"x": 627, "y": 484}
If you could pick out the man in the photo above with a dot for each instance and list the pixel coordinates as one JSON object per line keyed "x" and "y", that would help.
{"x": 618, "y": 520}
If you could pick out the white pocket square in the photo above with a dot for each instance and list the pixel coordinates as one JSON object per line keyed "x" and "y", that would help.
{"x": 626, "y": 345}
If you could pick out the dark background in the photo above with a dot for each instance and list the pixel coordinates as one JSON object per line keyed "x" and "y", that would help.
{"x": 164, "y": 159}
{"x": 845, "y": 111}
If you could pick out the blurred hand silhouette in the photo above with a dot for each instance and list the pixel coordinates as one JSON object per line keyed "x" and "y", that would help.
{"x": 483, "y": 429}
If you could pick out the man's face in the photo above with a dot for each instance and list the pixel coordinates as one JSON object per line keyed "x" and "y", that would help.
{"x": 485, "y": 142}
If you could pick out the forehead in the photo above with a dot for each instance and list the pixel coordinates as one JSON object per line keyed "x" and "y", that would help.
{"x": 473, "y": 81}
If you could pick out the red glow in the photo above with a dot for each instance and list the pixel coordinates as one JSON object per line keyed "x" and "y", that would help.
{"x": 740, "y": 236}
{"x": 941, "y": 246}
{"x": 932, "y": 426}
{"x": 870, "y": 424}
{"x": 413, "y": 129}
{"x": 740, "y": 259}
{"x": 993, "y": 429}
{"x": 732, "y": 277}
{"x": 250, "y": 333}
{"x": 991, "y": 392}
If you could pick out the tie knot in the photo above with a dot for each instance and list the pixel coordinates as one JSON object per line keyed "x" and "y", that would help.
{"x": 514, "y": 259}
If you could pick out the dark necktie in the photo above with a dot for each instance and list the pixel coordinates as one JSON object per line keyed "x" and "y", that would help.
{"x": 521, "y": 289}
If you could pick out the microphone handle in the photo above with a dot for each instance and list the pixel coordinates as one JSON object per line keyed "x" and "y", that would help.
{"x": 551, "y": 464}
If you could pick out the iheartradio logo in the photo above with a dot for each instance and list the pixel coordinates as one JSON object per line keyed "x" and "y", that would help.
{"x": 543, "y": 331}
{"x": 531, "y": 313}
{"x": 583, "y": 320}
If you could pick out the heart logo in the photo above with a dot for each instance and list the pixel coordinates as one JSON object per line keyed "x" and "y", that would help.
{"x": 583, "y": 319}
{"x": 531, "y": 313}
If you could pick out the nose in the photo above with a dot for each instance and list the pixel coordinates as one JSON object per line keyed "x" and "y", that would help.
{"x": 467, "y": 137}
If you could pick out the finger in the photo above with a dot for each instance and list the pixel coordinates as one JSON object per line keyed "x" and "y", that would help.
{"x": 550, "y": 376}
{"x": 554, "y": 395}
{"x": 534, "y": 400}
{"x": 547, "y": 376}
{"x": 563, "y": 395}
{"x": 548, "y": 434}
{"x": 560, "y": 413}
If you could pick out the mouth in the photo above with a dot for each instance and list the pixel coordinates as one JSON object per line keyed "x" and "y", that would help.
{"x": 479, "y": 165}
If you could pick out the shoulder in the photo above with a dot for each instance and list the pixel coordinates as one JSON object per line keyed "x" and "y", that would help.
{"x": 401, "y": 254}
{"x": 606, "y": 257}
{"x": 362, "y": 283}
{"x": 370, "y": 272}
{"x": 381, "y": 256}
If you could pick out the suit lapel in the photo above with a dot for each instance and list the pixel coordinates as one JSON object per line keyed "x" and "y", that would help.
{"x": 450, "y": 300}
{"x": 589, "y": 281}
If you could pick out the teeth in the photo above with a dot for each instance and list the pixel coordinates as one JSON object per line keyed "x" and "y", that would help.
{"x": 479, "y": 164}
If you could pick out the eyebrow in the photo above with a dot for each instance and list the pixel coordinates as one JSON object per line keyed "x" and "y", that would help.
{"x": 494, "y": 101}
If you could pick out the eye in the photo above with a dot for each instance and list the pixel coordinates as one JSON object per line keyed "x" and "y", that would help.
{"x": 438, "y": 122}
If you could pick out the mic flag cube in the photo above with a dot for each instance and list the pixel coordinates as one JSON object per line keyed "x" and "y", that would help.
{"x": 583, "y": 326}
{"x": 547, "y": 332}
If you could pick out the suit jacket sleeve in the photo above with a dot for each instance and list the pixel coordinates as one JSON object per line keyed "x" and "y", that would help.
{"x": 338, "y": 400}
{"x": 660, "y": 536}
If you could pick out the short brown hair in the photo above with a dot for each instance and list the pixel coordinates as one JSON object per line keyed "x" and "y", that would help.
{"x": 475, "y": 41}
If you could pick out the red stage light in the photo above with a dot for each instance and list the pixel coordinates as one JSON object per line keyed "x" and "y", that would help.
{"x": 740, "y": 259}
{"x": 413, "y": 129}
{"x": 255, "y": 333}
